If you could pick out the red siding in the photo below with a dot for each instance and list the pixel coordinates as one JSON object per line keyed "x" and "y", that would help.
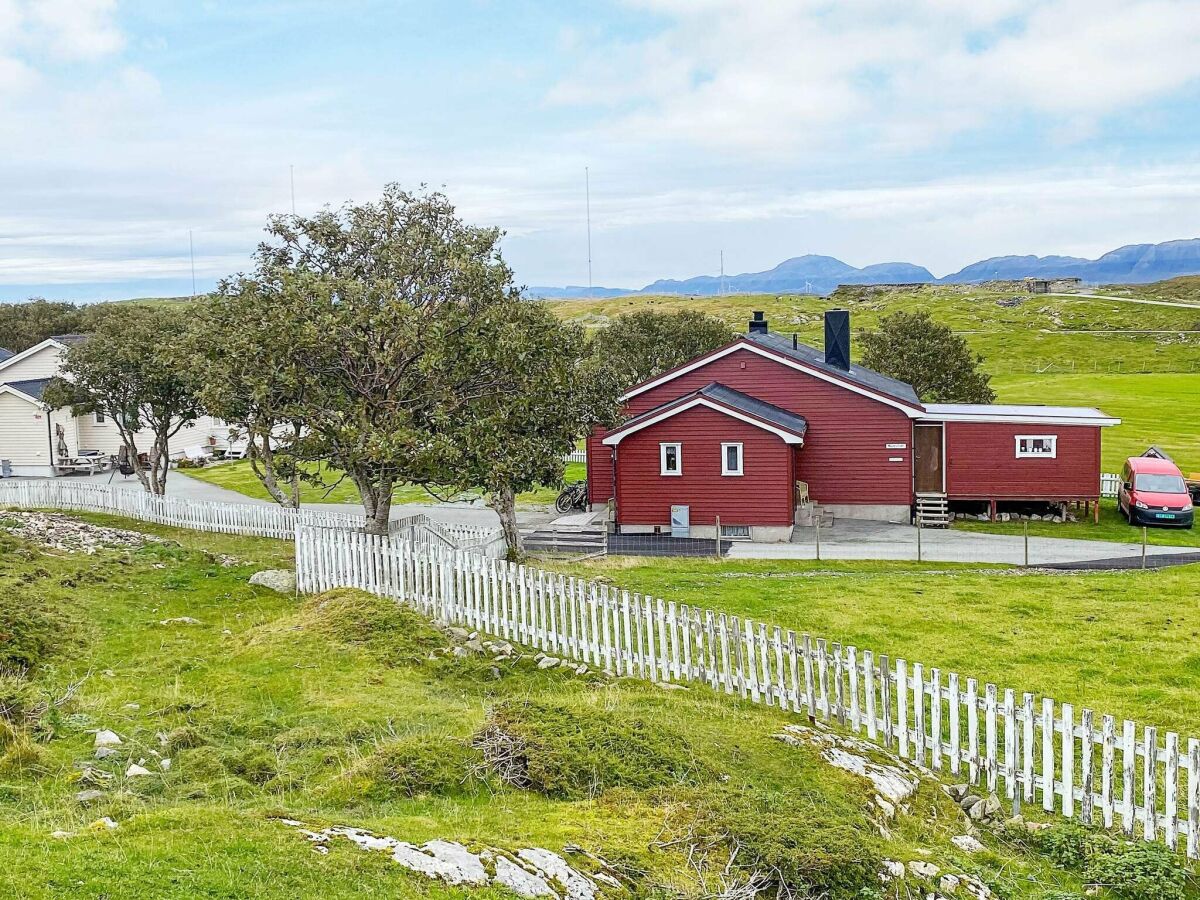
{"x": 599, "y": 468}
{"x": 845, "y": 457}
{"x": 982, "y": 463}
{"x": 762, "y": 496}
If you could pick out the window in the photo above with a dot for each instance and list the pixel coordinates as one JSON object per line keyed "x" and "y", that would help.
{"x": 99, "y": 418}
{"x": 670, "y": 458}
{"x": 1157, "y": 483}
{"x": 731, "y": 459}
{"x": 1042, "y": 445}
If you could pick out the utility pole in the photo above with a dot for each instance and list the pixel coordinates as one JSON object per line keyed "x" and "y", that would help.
{"x": 292, "y": 173}
{"x": 587, "y": 187}
{"x": 192, "y": 255}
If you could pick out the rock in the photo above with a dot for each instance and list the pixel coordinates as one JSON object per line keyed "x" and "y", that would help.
{"x": 282, "y": 581}
{"x": 891, "y": 870}
{"x": 105, "y": 752}
{"x": 967, "y": 843}
{"x": 555, "y": 868}
{"x": 923, "y": 869}
{"x": 459, "y": 634}
{"x": 105, "y": 824}
{"x": 977, "y": 810}
{"x": 948, "y": 884}
{"x": 461, "y": 652}
{"x": 548, "y": 662}
{"x": 991, "y": 806}
{"x": 581, "y": 670}
{"x": 86, "y": 797}
{"x": 107, "y": 738}
{"x": 91, "y": 775}
{"x": 958, "y": 791}
{"x": 494, "y": 672}
{"x": 521, "y": 882}
{"x": 180, "y": 620}
{"x": 136, "y": 771}
{"x": 165, "y": 765}
{"x": 474, "y": 645}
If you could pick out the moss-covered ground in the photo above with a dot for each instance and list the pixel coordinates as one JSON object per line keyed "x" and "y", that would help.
{"x": 330, "y": 710}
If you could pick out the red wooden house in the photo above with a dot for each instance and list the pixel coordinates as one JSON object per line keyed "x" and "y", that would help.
{"x": 755, "y": 431}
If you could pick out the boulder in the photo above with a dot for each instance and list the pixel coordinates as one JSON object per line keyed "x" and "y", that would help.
{"x": 86, "y": 797}
{"x": 135, "y": 771}
{"x": 967, "y": 843}
{"x": 106, "y": 738}
{"x": 548, "y": 662}
{"x": 281, "y": 580}
{"x": 923, "y": 869}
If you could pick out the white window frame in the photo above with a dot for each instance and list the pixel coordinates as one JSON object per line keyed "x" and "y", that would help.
{"x": 662, "y": 458}
{"x": 741, "y": 458}
{"x": 1052, "y": 439}
{"x": 98, "y": 418}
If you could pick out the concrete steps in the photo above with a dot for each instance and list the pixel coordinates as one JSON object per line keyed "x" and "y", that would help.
{"x": 809, "y": 514}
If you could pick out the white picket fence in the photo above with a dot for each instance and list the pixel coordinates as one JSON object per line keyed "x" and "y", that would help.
{"x": 576, "y": 456}
{"x": 1085, "y": 766}
{"x": 1109, "y": 484}
{"x": 262, "y": 520}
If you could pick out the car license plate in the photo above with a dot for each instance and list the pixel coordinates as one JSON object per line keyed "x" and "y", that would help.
{"x": 1164, "y": 515}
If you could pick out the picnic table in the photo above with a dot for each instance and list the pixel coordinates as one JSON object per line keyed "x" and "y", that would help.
{"x": 91, "y": 463}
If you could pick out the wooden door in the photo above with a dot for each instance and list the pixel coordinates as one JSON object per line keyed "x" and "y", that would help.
{"x": 929, "y": 476}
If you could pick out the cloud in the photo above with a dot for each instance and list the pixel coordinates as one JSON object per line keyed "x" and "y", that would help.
{"x": 76, "y": 29}
{"x": 779, "y": 78}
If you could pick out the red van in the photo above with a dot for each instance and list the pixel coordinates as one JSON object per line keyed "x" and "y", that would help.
{"x": 1153, "y": 492}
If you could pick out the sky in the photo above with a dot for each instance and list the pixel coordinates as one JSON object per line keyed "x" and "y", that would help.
{"x": 931, "y": 131}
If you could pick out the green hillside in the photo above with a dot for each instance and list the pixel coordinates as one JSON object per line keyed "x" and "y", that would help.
{"x": 239, "y": 710}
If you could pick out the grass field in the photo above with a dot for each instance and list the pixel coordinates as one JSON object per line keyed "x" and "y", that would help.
{"x": 1111, "y": 527}
{"x": 238, "y": 476}
{"x": 1126, "y": 644}
{"x": 331, "y": 711}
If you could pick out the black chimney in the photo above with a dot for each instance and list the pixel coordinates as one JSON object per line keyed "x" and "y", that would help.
{"x": 837, "y": 339}
{"x": 758, "y": 325}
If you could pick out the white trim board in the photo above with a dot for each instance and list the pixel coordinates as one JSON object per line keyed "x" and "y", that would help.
{"x": 1095, "y": 421}
{"x": 617, "y": 436}
{"x": 30, "y": 351}
{"x": 911, "y": 411}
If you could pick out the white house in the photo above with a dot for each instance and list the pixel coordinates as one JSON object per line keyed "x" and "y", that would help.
{"x": 29, "y": 430}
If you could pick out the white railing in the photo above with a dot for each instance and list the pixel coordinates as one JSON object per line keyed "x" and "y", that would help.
{"x": 1085, "y": 766}
{"x": 259, "y": 519}
{"x": 576, "y": 456}
{"x": 1109, "y": 484}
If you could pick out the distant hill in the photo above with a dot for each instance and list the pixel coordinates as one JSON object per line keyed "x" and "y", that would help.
{"x": 813, "y": 274}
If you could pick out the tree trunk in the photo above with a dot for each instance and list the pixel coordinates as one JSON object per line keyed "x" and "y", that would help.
{"x": 376, "y": 497}
{"x": 503, "y": 500}
{"x": 160, "y": 461}
{"x": 263, "y": 455}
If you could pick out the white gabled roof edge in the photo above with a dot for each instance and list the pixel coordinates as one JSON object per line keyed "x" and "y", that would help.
{"x": 30, "y": 351}
{"x": 788, "y": 437}
{"x": 742, "y": 344}
{"x": 9, "y": 389}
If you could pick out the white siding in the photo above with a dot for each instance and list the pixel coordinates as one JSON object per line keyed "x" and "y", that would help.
{"x": 24, "y": 437}
{"x": 43, "y": 364}
{"x": 107, "y": 440}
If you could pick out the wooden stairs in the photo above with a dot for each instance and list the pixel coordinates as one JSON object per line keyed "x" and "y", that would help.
{"x": 933, "y": 511}
{"x": 580, "y": 534}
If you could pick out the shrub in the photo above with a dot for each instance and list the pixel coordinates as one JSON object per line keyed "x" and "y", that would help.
{"x": 423, "y": 764}
{"x": 577, "y": 753}
{"x": 1129, "y": 871}
{"x": 33, "y": 629}
{"x": 185, "y": 737}
{"x": 787, "y": 838}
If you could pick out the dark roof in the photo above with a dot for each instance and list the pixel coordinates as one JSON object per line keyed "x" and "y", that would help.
{"x": 727, "y": 396}
{"x": 811, "y": 356}
{"x": 34, "y": 387}
{"x": 6, "y": 354}
{"x": 69, "y": 338}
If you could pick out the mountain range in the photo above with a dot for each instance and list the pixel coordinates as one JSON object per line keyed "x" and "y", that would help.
{"x": 812, "y": 274}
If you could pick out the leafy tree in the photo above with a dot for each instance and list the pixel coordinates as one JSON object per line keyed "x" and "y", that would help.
{"x": 244, "y": 335}
{"x": 544, "y": 396}
{"x": 134, "y": 370}
{"x": 934, "y": 360}
{"x": 639, "y": 345}
{"x": 389, "y": 310}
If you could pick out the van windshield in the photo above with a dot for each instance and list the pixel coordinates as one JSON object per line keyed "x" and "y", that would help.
{"x": 1160, "y": 484}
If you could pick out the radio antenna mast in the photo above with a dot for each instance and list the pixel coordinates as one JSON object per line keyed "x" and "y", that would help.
{"x": 192, "y": 255}
{"x": 587, "y": 188}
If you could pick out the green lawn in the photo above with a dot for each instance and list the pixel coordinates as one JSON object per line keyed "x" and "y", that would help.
{"x": 1111, "y": 527}
{"x": 1161, "y": 409}
{"x": 1123, "y": 643}
{"x": 331, "y": 711}
{"x": 238, "y": 476}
